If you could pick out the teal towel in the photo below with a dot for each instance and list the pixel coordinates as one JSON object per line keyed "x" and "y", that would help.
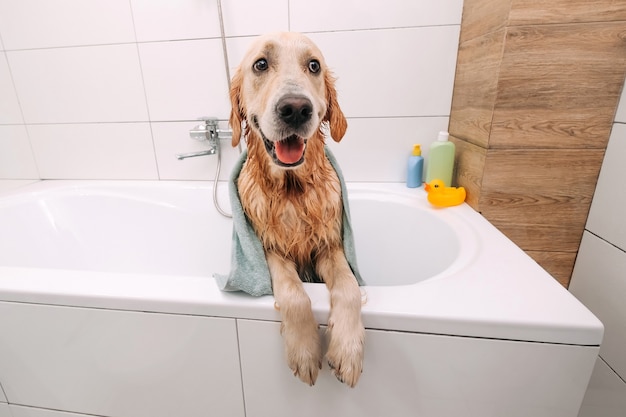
{"x": 249, "y": 271}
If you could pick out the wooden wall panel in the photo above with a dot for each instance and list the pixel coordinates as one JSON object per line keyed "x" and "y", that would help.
{"x": 476, "y": 84}
{"x": 536, "y": 89}
{"x": 483, "y": 16}
{"x": 559, "y": 264}
{"x": 531, "y": 189}
{"x": 558, "y": 85}
{"x": 469, "y": 166}
{"x": 541, "y": 12}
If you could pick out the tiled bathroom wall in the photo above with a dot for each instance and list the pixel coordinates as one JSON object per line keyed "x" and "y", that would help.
{"x": 108, "y": 89}
{"x": 599, "y": 280}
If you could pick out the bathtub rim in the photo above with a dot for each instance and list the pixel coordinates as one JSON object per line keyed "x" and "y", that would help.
{"x": 522, "y": 303}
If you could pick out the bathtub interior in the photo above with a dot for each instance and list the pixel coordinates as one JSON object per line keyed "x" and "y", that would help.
{"x": 175, "y": 231}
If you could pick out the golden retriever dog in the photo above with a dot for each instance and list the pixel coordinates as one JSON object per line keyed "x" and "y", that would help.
{"x": 283, "y": 97}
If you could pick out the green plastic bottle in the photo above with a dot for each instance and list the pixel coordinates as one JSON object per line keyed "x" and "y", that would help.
{"x": 440, "y": 160}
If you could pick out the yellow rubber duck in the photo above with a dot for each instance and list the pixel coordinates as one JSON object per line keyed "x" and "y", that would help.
{"x": 441, "y": 196}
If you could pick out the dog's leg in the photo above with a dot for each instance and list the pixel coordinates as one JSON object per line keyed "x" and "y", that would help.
{"x": 345, "y": 347}
{"x": 298, "y": 328}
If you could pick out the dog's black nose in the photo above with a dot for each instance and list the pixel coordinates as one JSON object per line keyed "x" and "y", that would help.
{"x": 294, "y": 110}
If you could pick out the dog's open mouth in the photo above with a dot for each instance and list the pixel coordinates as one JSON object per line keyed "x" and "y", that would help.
{"x": 287, "y": 152}
{"x": 290, "y": 151}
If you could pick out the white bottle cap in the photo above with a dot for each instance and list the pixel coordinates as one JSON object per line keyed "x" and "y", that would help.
{"x": 443, "y": 137}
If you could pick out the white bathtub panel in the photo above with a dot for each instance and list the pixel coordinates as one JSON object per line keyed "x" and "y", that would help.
{"x": 9, "y": 106}
{"x": 377, "y": 149}
{"x": 599, "y": 282}
{"x": 395, "y": 72}
{"x": 114, "y": 363}
{"x": 26, "y": 24}
{"x": 5, "y": 411}
{"x": 185, "y": 80}
{"x": 83, "y": 84}
{"x": 162, "y": 20}
{"x": 171, "y": 138}
{"x": 96, "y": 151}
{"x": 606, "y": 394}
{"x": 420, "y": 375}
{"x": 330, "y": 15}
{"x": 610, "y": 195}
{"x": 253, "y": 17}
{"x": 16, "y": 155}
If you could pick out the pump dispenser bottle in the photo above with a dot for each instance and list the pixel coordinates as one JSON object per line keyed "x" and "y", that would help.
{"x": 415, "y": 168}
{"x": 440, "y": 160}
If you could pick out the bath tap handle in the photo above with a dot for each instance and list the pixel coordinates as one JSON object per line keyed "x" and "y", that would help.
{"x": 181, "y": 156}
{"x": 207, "y": 131}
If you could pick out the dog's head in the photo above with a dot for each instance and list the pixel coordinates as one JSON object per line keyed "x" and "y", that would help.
{"x": 284, "y": 92}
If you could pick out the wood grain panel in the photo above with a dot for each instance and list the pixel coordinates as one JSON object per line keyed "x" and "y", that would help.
{"x": 525, "y": 12}
{"x": 483, "y": 16}
{"x": 558, "y": 264}
{"x": 541, "y": 237}
{"x": 469, "y": 165}
{"x": 559, "y": 85}
{"x": 475, "y": 87}
{"x": 536, "y": 89}
{"x": 535, "y": 195}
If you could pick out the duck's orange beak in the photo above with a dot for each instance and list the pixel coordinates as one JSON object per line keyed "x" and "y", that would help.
{"x": 427, "y": 187}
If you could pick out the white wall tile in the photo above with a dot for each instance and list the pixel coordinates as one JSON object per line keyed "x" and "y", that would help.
{"x": 606, "y": 394}
{"x": 333, "y": 15}
{"x": 26, "y": 24}
{"x": 378, "y": 149}
{"x": 94, "y": 151}
{"x": 22, "y": 411}
{"x": 253, "y": 17}
{"x": 162, "y": 20}
{"x": 83, "y": 84}
{"x": 173, "y": 137}
{"x": 376, "y": 80}
{"x": 10, "y": 112}
{"x": 16, "y": 156}
{"x": 393, "y": 73}
{"x": 185, "y": 80}
{"x": 3, "y": 398}
{"x": 606, "y": 213}
{"x": 4, "y": 410}
{"x": 6, "y": 185}
{"x": 237, "y": 48}
{"x": 598, "y": 281}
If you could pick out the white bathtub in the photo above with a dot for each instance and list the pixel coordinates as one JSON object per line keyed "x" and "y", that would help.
{"x": 108, "y": 308}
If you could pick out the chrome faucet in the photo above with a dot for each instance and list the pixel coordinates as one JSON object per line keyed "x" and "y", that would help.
{"x": 210, "y": 132}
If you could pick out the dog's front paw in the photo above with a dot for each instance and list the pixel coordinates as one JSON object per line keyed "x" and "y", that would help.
{"x": 345, "y": 355}
{"x": 304, "y": 352}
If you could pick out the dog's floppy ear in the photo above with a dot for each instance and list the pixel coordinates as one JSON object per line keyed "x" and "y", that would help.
{"x": 237, "y": 114}
{"x": 334, "y": 116}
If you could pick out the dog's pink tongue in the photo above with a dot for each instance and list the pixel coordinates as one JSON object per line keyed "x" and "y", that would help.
{"x": 289, "y": 151}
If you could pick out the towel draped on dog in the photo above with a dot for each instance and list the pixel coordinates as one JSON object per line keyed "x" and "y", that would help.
{"x": 249, "y": 271}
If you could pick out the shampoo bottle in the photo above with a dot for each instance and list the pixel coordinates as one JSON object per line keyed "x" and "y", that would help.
{"x": 415, "y": 167}
{"x": 440, "y": 160}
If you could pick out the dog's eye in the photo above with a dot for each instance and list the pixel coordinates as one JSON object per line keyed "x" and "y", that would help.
{"x": 314, "y": 66}
{"x": 261, "y": 65}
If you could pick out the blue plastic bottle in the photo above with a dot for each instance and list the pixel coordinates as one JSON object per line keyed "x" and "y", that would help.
{"x": 415, "y": 167}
